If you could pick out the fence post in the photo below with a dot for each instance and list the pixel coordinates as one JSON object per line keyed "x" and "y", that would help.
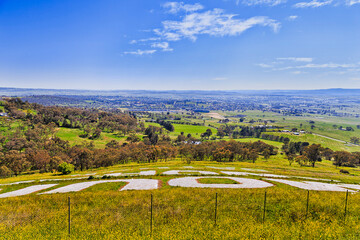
{"x": 346, "y": 201}
{"x": 151, "y": 214}
{"x": 216, "y": 201}
{"x": 69, "y": 217}
{"x": 307, "y": 204}
{"x": 264, "y": 207}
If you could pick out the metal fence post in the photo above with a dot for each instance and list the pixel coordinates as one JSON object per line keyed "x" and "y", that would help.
{"x": 69, "y": 217}
{"x": 151, "y": 214}
{"x": 307, "y": 203}
{"x": 346, "y": 201}
{"x": 264, "y": 207}
{"x": 216, "y": 201}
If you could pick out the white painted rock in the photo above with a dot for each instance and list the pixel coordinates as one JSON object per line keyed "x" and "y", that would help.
{"x": 142, "y": 173}
{"x": 181, "y": 172}
{"x": 316, "y": 186}
{"x": 26, "y": 190}
{"x": 244, "y": 183}
{"x": 133, "y": 184}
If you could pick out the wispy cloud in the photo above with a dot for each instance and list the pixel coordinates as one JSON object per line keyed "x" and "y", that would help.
{"x": 214, "y": 23}
{"x": 301, "y": 65}
{"x": 141, "y": 52}
{"x": 319, "y": 66}
{"x": 164, "y": 46}
{"x": 264, "y": 65}
{"x": 298, "y": 72}
{"x": 292, "y": 18}
{"x": 263, "y": 2}
{"x": 313, "y": 4}
{"x": 352, "y": 2}
{"x": 144, "y": 40}
{"x": 220, "y": 79}
{"x": 194, "y": 23}
{"x": 175, "y": 7}
{"x": 296, "y": 59}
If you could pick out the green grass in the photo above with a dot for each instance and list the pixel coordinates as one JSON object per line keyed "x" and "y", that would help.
{"x": 103, "y": 212}
{"x": 325, "y": 142}
{"x": 217, "y": 181}
{"x": 72, "y": 135}
{"x": 195, "y": 131}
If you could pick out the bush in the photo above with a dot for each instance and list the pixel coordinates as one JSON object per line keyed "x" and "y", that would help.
{"x": 65, "y": 168}
{"x": 5, "y": 172}
{"x": 344, "y": 171}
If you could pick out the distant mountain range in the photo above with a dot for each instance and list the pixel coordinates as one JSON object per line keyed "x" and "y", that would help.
{"x": 20, "y": 92}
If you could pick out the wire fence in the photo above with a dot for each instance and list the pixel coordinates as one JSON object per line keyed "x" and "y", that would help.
{"x": 145, "y": 214}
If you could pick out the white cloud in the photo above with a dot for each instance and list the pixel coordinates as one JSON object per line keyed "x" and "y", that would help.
{"x": 213, "y": 23}
{"x": 298, "y": 72}
{"x": 164, "y": 46}
{"x": 263, "y": 2}
{"x": 220, "y": 79}
{"x": 263, "y": 65}
{"x": 352, "y": 2}
{"x": 320, "y": 66}
{"x": 175, "y": 7}
{"x": 141, "y": 52}
{"x": 296, "y": 59}
{"x": 313, "y": 4}
{"x": 292, "y": 18}
{"x": 144, "y": 40}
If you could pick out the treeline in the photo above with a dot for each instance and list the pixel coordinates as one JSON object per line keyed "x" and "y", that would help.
{"x": 305, "y": 154}
{"x": 226, "y": 151}
{"x": 238, "y": 131}
{"x": 271, "y": 137}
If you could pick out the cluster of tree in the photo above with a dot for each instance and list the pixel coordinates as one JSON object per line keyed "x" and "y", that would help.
{"x": 305, "y": 154}
{"x": 271, "y": 137}
{"x": 355, "y": 140}
{"x": 349, "y": 129}
{"x": 167, "y": 125}
{"x": 226, "y": 151}
{"x": 92, "y": 121}
{"x": 239, "y": 131}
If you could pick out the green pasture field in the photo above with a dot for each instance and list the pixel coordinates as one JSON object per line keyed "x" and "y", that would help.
{"x": 103, "y": 212}
{"x": 195, "y": 131}
{"x": 323, "y": 123}
{"x": 72, "y": 135}
{"x": 325, "y": 142}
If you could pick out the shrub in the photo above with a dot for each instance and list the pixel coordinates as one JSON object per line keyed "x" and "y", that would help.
{"x": 5, "y": 172}
{"x": 344, "y": 171}
{"x": 65, "y": 168}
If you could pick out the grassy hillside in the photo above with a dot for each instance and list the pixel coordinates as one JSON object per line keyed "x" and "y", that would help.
{"x": 103, "y": 212}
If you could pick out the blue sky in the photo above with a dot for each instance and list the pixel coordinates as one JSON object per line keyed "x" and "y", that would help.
{"x": 161, "y": 45}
